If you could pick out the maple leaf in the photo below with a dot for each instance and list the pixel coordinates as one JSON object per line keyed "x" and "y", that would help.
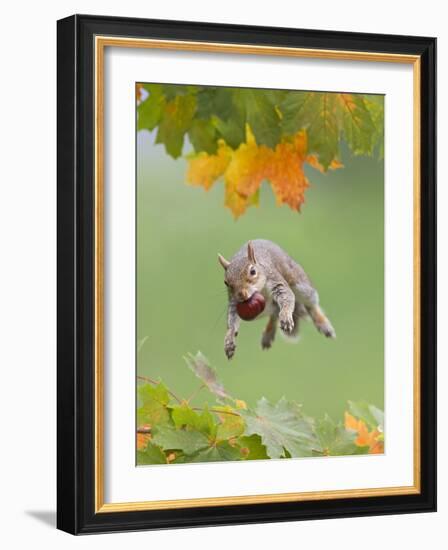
{"x": 252, "y": 447}
{"x": 153, "y": 407}
{"x": 373, "y": 440}
{"x": 315, "y": 112}
{"x": 187, "y": 441}
{"x": 248, "y": 166}
{"x": 262, "y": 116}
{"x": 231, "y": 425}
{"x": 248, "y": 136}
{"x": 205, "y": 169}
{"x": 286, "y": 173}
{"x": 197, "y": 446}
{"x": 357, "y": 124}
{"x": 202, "y": 135}
{"x": 313, "y": 161}
{"x": 151, "y": 454}
{"x": 217, "y": 453}
{"x": 370, "y": 414}
{"x": 185, "y": 417}
{"x": 150, "y": 110}
{"x": 282, "y": 427}
{"x": 335, "y": 439}
{"x": 177, "y": 116}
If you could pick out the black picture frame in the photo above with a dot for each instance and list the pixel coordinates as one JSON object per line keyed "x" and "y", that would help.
{"x": 76, "y": 272}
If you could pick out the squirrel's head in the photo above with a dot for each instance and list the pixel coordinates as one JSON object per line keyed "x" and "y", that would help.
{"x": 243, "y": 276}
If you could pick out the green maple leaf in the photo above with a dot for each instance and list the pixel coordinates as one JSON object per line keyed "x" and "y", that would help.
{"x": 185, "y": 417}
{"x": 297, "y": 110}
{"x": 195, "y": 445}
{"x": 176, "y": 119}
{"x": 262, "y": 117}
{"x": 214, "y": 101}
{"x": 232, "y": 131}
{"x": 334, "y": 439}
{"x": 171, "y": 91}
{"x": 153, "y": 404}
{"x": 375, "y": 106}
{"x": 151, "y": 109}
{"x": 316, "y": 112}
{"x": 200, "y": 365}
{"x": 357, "y": 125}
{"x": 252, "y": 447}
{"x": 219, "y": 452}
{"x": 203, "y": 136}
{"x": 187, "y": 441}
{"x": 231, "y": 424}
{"x": 323, "y": 129}
{"x": 283, "y": 429}
{"x": 152, "y": 454}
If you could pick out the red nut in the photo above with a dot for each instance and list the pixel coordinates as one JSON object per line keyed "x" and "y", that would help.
{"x": 251, "y": 308}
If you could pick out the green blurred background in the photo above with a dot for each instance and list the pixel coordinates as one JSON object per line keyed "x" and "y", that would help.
{"x": 181, "y": 298}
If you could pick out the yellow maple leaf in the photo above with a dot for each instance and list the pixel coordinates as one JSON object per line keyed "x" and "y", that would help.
{"x": 244, "y": 175}
{"x": 205, "y": 169}
{"x": 248, "y": 168}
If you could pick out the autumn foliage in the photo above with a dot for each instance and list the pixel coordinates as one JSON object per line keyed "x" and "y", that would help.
{"x": 247, "y": 136}
{"x": 172, "y": 430}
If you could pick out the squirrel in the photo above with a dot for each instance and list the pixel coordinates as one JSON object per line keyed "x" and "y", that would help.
{"x": 262, "y": 266}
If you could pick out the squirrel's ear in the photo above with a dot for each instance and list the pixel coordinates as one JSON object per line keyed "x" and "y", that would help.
{"x": 225, "y": 264}
{"x": 251, "y": 253}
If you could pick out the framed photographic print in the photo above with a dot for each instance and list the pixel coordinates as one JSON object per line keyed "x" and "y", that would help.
{"x": 246, "y": 274}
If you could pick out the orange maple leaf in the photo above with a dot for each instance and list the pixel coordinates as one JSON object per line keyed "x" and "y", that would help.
{"x": 372, "y": 440}
{"x": 286, "y": 172}
{"x": 313, "y": 161}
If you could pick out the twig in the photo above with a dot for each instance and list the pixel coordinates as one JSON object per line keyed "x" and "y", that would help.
{"x": 143, "y": 430}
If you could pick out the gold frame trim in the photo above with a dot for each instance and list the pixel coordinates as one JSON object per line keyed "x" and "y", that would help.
{"x": 101, "y": 42}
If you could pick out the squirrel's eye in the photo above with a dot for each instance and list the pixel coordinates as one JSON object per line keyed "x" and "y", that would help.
{"x": 253, "y": 271}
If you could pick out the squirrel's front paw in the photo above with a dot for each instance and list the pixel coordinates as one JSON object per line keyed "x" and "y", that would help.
{"x": 286, "y": 322}
{"x": 229, "y": 347}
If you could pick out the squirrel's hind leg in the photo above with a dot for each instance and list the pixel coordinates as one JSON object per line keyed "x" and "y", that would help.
{"x": 268, "y": 336}
{"x": 321, "y": 321}
{"x": 308, "y": 296}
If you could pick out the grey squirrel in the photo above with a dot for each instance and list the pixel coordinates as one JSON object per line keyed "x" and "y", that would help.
{"x": 262, "y": 266}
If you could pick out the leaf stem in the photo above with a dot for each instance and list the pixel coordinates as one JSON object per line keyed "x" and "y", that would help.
{"x": 217, "y": 411}
{"x": 195, "y": 393}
